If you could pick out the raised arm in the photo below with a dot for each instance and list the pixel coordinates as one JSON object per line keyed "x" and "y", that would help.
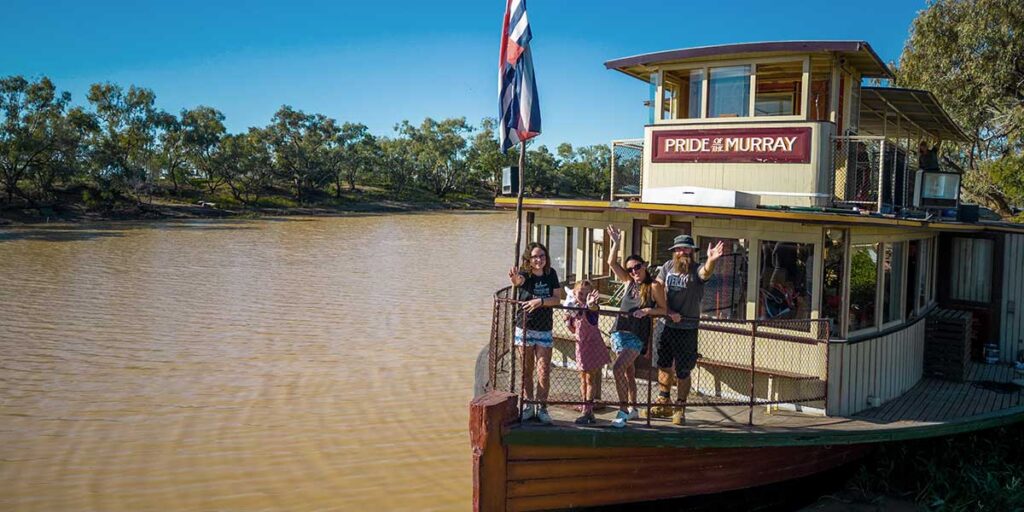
{"x": 613, "y": 254}
{"x": 515, "y": 277}
{"x": 708, "y": 268}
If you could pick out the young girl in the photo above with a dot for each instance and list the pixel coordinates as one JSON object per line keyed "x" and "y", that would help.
{"x": 631, "y": 332}
{"x": 539, "y": 289}
{"x": 591, "y": 353}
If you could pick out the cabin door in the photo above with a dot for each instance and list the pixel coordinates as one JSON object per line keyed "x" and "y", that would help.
{"x": 970, "y": 267}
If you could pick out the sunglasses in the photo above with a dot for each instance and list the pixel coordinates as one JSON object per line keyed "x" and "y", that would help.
{"x": 635, "y": 268}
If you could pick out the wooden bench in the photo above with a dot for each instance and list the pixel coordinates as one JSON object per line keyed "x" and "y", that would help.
{"x": 771, "y": 373}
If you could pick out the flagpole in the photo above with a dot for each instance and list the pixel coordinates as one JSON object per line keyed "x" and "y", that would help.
{"x": 519, "y": 204}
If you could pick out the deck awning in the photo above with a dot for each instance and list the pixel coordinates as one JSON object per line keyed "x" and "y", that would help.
{"x": 857, "y": 54}
{"x": 914, "y": 112}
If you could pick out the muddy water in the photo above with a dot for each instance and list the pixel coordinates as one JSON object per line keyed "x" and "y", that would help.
{"x": 292, "y": 364}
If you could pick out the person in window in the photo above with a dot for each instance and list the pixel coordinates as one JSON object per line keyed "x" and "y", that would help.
{"x": 539, "y": 289}
{"x": 927, "y": 159}
{"x": 682, "y": 282}
{"x": 632, "y": 332}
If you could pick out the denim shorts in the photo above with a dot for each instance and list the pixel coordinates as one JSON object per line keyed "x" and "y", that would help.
{"x": 538, "y": 338}
{"x": 625, "y": 340}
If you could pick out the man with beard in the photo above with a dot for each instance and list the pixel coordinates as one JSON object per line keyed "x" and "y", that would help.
{"x": 682, "y": 291}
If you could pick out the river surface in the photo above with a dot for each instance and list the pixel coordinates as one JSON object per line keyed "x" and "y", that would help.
{"x": 282, "y": 364}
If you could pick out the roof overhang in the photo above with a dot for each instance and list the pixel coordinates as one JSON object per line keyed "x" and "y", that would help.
{"x": 914, "y": 112}
{"x": 857, "y": 54}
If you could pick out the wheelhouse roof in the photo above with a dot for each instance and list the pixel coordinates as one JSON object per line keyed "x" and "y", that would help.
{"x": 858, "y": 54}
{"x": 917, "y": 111}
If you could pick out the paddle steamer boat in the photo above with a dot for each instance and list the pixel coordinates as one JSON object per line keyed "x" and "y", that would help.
{"x": 858, "y": 303}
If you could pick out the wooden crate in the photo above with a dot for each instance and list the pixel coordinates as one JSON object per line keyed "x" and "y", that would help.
{"x": 947, "y": 346}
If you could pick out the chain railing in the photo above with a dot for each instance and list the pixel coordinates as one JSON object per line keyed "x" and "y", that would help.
{"x": 747, "y": 363}
{"x": 872, "y": 173}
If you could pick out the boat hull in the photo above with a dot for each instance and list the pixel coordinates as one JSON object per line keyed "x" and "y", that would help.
{"x": 552, "y": 474}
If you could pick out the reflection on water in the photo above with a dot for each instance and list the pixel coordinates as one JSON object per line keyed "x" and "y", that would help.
{"x": 299, "y": 364}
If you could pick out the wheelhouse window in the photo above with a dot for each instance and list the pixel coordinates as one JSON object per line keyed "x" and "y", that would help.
{"x": 893, "y": 272}
{"x": 778, "y": 89}
{"x": 787, "y": 275}
{"x": 832, "y": 303}
{"x": 725, "y": 295}
{"x": 863, "y": 285}
{"x": 682, "y": 94}
{"x": 729, "y": 92}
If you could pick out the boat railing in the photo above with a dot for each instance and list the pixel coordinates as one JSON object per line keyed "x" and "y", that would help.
{"x": 775, "y": 364}
{"x": 872, "y": 173}
{"x": 627, "y": 164}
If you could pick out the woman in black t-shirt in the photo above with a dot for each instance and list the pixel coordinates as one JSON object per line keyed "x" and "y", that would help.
{"x": 539, "y": 289}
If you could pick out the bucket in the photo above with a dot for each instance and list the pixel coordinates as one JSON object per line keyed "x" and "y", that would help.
{"x": 991, "y": 353}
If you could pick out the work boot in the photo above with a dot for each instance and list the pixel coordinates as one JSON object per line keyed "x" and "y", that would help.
{"x": 662, "y": 409}
{"x": 679, "y": 416}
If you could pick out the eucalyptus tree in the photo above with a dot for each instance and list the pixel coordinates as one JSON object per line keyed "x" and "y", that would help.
{"x": 40, "y": 138}
{"x": 173, "y": 156}
{"x": 396, "y": 163}
{"x": 585, "y": 171}
{"x": 485, "y": 157}
{"x": 301, "y": 145}
{"x": 246, "y": 164}
{"x": 969, "y": 54}
{"x": 352, "y": 153}
{"x": 126, "y": 140}
{"x": 202, "y": 129}
{"x": 439, "y": 152}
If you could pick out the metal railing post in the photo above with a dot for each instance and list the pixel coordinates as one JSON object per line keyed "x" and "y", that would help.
{"x": 753, "y": 343}
{"x": 881, "y": 174}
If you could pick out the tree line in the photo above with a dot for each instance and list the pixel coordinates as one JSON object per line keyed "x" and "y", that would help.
{"x": 120, "y": 146}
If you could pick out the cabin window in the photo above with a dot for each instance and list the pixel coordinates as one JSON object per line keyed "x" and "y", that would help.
{"x": 863, "y": 285}
{"x": 820, "y": 93}
{"x": 682, "y": 94}
{"x": 832, "y": 300}
{"x": 786, "y": 277}
{"x": 596, "y": 257}
{"x": 924, "y": 266}
{"x": 913, "y": 277}
{"x": 778, "y": 89}
{"x": 669, "y": 99}
{"x": 558, "y": 247}
{"x": 893, "y": 271}
{"x": 725, "y": 295}
{"x": 729, "y": 92}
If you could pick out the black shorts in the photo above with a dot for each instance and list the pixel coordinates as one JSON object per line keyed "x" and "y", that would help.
{"x": 678, "y": 346}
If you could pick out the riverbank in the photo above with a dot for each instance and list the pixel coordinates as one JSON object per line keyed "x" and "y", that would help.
{"x": 72, "y": 209}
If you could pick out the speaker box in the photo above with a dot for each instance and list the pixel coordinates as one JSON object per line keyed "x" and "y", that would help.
{"x": 510, "y": 181}
{"x": 967, "y": 213}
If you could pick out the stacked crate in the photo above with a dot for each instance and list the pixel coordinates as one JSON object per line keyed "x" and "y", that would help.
{"x": 947, "y": 347}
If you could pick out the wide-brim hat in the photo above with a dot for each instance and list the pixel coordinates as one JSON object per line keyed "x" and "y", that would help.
{"x": 683, "y": 241}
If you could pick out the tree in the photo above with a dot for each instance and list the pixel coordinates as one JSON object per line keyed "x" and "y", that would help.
{"x": 969, "y": 54}
{"x": 439, "y": 151}
{"x": 541, "y": 174}
{"x": 40, "y": 140}
{"x": 585, "y": 171}
{"x": 172, "y": 157}
{"x": 350, "y": 154}
{"x": 246, "y": 165}
{"x": 202, "y": 129}
{"x": 301, "y": 145}
{"x": 485, "y": 157}
{"x": 396, "y": 163}
{"x": 125, "y": 143}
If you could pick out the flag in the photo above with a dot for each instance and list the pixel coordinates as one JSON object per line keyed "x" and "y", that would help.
{"x": 518, "y": 107}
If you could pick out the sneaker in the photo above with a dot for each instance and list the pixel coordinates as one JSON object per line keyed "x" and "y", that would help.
{"x": 586, "y": 419}
{"x": 622, "y": 417}
{"x": 544, "y": 417}
{"x": 528, "y": 412}
{"x": 633, "y": 414}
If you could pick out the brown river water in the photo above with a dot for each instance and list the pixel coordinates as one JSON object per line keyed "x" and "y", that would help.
{"x": 281, "y": 364}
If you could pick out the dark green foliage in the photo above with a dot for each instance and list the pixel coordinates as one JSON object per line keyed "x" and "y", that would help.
{"x": 982, "y": 471}
{"x": 123, "y": 149}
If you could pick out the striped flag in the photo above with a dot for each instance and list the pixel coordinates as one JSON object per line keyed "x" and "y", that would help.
{"x": 518, "y": 106}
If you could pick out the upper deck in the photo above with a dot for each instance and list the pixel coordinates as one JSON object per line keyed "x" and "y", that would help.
{"x": 777, "y": 124}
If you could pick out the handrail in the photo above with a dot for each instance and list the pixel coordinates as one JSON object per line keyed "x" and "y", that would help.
{"x": 769, "y": 351}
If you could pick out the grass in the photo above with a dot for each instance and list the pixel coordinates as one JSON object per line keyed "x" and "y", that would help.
{"x": 982, "y": 471}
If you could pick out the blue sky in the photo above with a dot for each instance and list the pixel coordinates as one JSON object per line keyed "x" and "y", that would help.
{"x": 381, "y": 62}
